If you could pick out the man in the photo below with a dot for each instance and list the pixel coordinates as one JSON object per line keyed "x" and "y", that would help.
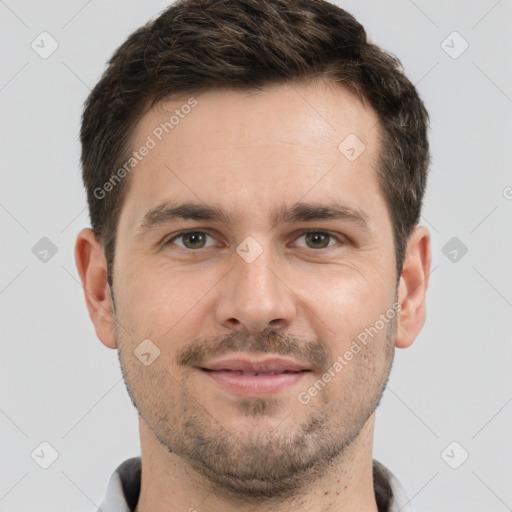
{"x": 255, "y": 171}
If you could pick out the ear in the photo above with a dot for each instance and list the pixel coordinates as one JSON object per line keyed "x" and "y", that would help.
{"x": 92, "y": 267}
{"x": 412, "y": 287}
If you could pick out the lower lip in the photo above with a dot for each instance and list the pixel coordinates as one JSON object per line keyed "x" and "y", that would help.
{"x": 254, "y": 384}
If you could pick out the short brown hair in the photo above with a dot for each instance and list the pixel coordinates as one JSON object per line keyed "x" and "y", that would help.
{"x": 198, "y": 45}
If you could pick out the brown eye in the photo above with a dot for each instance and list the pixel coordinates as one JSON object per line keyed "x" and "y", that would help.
{"x": 190, "y": 240}
{"x": 317, "y": 239}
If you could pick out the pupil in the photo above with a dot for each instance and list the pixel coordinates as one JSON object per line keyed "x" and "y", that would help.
{"x": 319, "y": 237}
{"x": 194, "y": 238}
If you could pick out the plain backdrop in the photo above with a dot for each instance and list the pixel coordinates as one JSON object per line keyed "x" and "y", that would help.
{"x": 450, "y": 394}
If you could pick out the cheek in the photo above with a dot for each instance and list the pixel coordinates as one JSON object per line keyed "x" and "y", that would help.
{"x": 344, "y": 302}
{"x": 149, "y": 386}
{"x": 157, "y": 298}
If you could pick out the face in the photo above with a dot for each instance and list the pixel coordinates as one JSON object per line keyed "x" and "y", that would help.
{"x": 285, "y": 251}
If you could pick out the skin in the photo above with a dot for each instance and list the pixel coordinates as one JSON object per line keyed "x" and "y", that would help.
{"x": 204, "y": 447}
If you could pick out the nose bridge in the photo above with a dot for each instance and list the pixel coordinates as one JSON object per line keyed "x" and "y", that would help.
{"x": 253, "y": 294}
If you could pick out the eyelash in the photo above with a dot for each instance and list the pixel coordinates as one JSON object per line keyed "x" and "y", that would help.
{"x": 338, "y": 238}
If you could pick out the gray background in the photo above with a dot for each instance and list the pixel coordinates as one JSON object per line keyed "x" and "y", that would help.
{"x": 60, "y": 385}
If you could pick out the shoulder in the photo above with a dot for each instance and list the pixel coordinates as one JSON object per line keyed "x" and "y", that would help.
{"x": 389, "y": 493}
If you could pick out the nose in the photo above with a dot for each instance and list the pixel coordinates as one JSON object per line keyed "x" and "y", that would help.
{"x": 254, "y": 296}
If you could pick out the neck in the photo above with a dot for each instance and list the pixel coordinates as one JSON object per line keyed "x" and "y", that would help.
{"x": 170, "y": 484}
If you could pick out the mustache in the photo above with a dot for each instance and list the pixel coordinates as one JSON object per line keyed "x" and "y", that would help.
{"x": 315, "y": 353}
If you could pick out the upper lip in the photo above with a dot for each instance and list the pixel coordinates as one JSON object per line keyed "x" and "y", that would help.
{"x": 253, "y": 365}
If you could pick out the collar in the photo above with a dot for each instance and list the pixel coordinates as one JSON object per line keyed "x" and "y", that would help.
{"x": 124, "y": 489}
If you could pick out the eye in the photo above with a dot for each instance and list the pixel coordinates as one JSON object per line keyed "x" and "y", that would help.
{"x": 194, "y": 240}
{"x": 190, "y": 239}
{"x": 318, "y": 239}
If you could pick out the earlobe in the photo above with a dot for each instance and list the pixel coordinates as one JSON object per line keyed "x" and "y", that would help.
{"x": 412, "y": 287}
{"x": 91, "y": 265}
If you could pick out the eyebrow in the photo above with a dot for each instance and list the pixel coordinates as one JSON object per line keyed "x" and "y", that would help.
{"x": 166, "y": 213}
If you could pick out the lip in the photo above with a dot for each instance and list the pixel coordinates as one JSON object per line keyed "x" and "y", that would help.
{"x": 277, "y": 365}
{"x": 228, "y": 374}
{"x": 253, "y": 385}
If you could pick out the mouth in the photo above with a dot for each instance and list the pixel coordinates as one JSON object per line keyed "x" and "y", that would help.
{"x": 245, "y": 365}
{"x": 240, "y": 372}
{"x": 251, "y": 378}
{"x": 254, "y": 383}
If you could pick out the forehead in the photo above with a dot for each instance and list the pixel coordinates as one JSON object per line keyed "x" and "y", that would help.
{"x": 315, "y": 115}
{"x": 258, "y": 147}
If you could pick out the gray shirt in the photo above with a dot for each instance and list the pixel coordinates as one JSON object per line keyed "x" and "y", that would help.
{"x": 124, "y": 489}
